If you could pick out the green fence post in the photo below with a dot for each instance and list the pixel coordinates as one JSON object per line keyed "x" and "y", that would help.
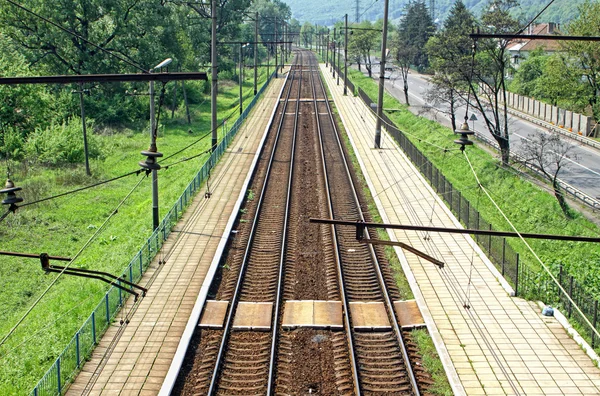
{"x": 570, "y": 295}
{"x": 58, "y": 375}
{"x": 77, "y": 349}
{"x": 94, "y": 327}
{"x": 503, "y": 254}
{"x": 595, "y": 323}
{"x": 107, "y": 309}
{"x": 517, "y": 277}
{"x": 490, "y": 241}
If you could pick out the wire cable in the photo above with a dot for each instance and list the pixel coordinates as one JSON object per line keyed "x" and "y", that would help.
{"x": 573, "y": 304}
{"x": 136, "y": 172}
{"x": 89, "y": 241}
{"x": 77, "y": 36}
{"x": 535, "y": 17}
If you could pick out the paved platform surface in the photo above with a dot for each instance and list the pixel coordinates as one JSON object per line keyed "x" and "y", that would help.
{"x": 135, "y": 360}
{"x": 501, "y": 345}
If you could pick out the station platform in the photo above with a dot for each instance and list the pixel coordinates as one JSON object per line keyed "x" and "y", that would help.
{"x": 134, "y": 359}
{"x": 498, "y": 344}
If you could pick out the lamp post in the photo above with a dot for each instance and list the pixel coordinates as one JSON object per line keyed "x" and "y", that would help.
{"x": 381, "y": 77}
{"x": 327, "y": 50}
{"x": 152, "y": 153}
{"x": 346, "y": 55}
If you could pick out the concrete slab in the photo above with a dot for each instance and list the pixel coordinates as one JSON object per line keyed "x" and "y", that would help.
{"x": 408, "y": 314}
{"x": 253, "y": 316}
{"x": 214, "y": 313}
{"x": 315, "y": 314}
{"x": 369, "y": 316}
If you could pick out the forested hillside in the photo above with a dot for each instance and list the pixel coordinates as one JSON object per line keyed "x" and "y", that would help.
{"x": 328, "y": 12}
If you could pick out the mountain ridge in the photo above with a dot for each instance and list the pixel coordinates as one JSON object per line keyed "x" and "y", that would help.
{"x": 321, "y": 12}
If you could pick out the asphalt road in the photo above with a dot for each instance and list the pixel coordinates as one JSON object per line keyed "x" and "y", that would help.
{"x": 581, "y": 172}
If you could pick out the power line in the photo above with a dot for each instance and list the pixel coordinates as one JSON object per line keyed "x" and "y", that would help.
{"x": 77, "y": 36}
{"x": 89, "y": 241}
{"x": 137, "y": 172}
{"x": 539, "y": 260}
{"x": 535, "y": 17}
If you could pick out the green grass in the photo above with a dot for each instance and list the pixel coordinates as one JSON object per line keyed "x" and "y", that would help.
{"x": 432, "y": 363}
{"x": 529, "y": 208}
{"x": 62, "y": 226}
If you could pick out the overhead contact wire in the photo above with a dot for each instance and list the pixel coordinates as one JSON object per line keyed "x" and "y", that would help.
{"x": 89, "y": 241}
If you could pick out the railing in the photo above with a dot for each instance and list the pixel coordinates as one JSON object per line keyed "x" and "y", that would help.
{"x": 530, "y": 284}
{"x": 70, "y": 361}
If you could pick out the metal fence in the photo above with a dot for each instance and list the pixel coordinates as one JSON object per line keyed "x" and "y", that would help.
{"x": 527, "y": 283}
{"x": 70, "y": 361}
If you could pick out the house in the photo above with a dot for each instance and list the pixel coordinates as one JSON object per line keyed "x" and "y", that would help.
{"x": 519, "y": 49}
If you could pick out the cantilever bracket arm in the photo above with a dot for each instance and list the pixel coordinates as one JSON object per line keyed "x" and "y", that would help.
{"x": 112, "y": 280}
{"x": 84, "y": 273}
{"x": 360, "y": 236}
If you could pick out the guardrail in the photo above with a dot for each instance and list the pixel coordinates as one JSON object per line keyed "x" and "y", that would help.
{"x": 70, "y": 361}
{"x": 571, "y": 135}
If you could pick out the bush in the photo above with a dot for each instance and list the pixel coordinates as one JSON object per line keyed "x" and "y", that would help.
{"x": 61, "y": 144}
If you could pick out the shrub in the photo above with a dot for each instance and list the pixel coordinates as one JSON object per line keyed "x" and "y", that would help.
{"x": 61, "y": 144}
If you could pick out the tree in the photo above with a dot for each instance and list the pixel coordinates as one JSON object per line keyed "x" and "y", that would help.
{"x": 133, "y": 29}
{"x": 586, "y": 55}
{"x": 307, "y": 33}
{"x": 529, "y": 72}
{"x": 361, "y": 43}
{"x": 550, "y": 155}
{"x": 450, "y": 52}
{"x": 414, "y": 31}
{"x": 489, "y": 73}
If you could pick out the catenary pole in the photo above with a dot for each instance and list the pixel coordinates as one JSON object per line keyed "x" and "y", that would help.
{"x": 381, "y": 77}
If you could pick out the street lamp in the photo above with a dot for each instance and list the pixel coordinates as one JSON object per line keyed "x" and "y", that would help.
{"x": 152, "y": 153}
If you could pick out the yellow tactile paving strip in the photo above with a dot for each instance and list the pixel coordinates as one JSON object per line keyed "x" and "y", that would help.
{"x": 501, "y": 345}
{"x": 142, "y": 354}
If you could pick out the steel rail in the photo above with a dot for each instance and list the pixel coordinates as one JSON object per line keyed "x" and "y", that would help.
{"x": 230, "y": 315}
{"x": 336, "y": 247}
{"x": 275, "y": 319}
{"x": 387, "y": 299}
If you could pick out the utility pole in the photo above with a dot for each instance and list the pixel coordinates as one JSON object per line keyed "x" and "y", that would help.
{"x": 215, "y": 70}
{"x": 84, "y": 128}
{"x": 152, "y": 153}
{"x": 276, "y": 40}
{"x": 346, "y": 56}
{"x": 327, "y": 50}
{"x": 255, "y": 52}
{"x": 333, "y": 49}
{"x": 339, "y": 54}
{"x": 357, "y": 11}
{"x": 241, "y": 79}
{"x": 381, "y": 77}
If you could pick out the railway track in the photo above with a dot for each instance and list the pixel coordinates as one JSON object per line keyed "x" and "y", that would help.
{"x": 277, "y": 259}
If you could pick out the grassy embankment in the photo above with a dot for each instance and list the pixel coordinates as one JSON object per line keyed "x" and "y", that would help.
{"x": 529, "y": 207}
{"x": 62, "y": 226}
